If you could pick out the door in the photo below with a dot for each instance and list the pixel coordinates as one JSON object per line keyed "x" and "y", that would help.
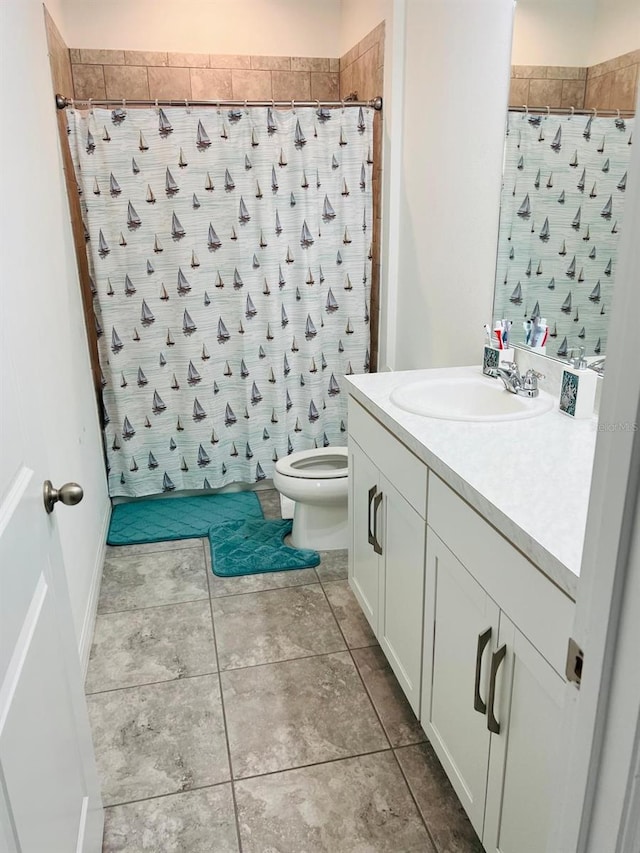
{"x": 365, "y": 525}
{"x": 457, "y": 657}
{"x": 49, "y": 793}
{"x": 402, "y": 590}
{"x": 523, "y": 766}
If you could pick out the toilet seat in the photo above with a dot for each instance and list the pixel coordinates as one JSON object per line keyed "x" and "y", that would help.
{"x": 324, "y": 463}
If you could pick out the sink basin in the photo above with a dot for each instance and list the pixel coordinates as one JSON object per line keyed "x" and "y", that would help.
{"x": 468, "y": 398}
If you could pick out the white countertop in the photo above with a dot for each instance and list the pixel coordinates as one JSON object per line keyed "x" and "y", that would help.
{"x": 529, "y": 478}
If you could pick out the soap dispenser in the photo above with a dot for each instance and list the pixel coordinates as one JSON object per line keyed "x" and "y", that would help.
{"x": 578, "y": 388}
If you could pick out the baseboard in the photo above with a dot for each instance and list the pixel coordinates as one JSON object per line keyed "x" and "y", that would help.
{"x": 89, "y": 622}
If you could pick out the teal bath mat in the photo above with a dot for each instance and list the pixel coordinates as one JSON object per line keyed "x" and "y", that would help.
{"x": 178, "y": 518}
{"x": 255, "y": 545}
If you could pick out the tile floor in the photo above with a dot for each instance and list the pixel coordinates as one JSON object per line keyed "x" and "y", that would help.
{"x": 254, "y": 714}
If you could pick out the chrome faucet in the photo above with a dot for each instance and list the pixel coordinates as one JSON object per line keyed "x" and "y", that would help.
{"x": 524, "y": 386}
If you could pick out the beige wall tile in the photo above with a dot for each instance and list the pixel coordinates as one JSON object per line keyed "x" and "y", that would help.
{"x": 350, "y": 56}
{"x": 526, "y": 71}
{"x": 598, "y": 92}
{"x": 624, "y": 88}
{"x": 365, "y": 74}
{"x": 334, "y": 64}
{"x": 208, "y": 84}
{"x": 88, "y": 82}
{"x": 188, "y": 60}
{"x": 631, "y": 58}
{"x": 145, "y": 57}
{"x": 325, "y": 86}
{"x": 126, "y": 81}
{"x": 346, "y": 81}
{"x": 251, "y": 85}
{"x": 309, "y": 63}
{"x": 545, "y": 93}
{"x": 169, "y": 83}
{"x": 74, "y": 55}
{"x": 565, "y": 72}
{"x": 377, "y": 147}
{"x": 376, "y": 35}
{"x": 102, "y": 57}
{"x": 58, "y": 58}
{"x": 519, "y": 91}
{"x": 271, "y": 63}
{"x": 573, "y": 93}
{"x": 288, "y": 85}
{"x": 229, "y": 61}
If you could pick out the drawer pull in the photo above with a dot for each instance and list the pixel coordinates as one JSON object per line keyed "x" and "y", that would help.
{"x": 483, "y": 640}
{"x": 377, "y": 547}
{"x": 372, "y": 492}
{"x": 492, "y": 724}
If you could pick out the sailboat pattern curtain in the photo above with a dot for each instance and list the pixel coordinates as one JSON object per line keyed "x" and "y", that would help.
{"x": 230, "y": 262}
{"x": 561, "y": 214}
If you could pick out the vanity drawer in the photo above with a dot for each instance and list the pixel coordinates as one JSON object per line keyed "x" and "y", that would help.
{"x": 540, "y": 609}
{"x": 399, "y": 465}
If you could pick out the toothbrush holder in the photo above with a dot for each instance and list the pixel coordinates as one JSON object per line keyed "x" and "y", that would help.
{"x": 494, "y": 358}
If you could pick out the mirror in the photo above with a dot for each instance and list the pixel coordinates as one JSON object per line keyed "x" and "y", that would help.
{"x": 564, "y": 176}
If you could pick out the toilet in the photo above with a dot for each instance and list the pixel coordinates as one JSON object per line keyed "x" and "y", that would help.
{"x": 317, "y": 481}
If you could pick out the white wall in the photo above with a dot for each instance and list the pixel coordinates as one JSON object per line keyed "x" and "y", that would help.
{"x": 617, "y": 29}
{"x": 262, "y": 27}
{"x": 359, "y": 17}
{"x": 554, "y": 32}
{"x": 447, "y": 190}
{"x": 37, "y": 255}
{"x": 574, "y": 32}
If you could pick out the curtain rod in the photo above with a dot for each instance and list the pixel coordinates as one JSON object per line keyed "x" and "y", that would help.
{"x": 572, "y": 111}
{"x": 62, "y": 102}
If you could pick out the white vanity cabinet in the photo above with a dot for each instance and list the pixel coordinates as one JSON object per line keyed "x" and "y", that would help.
{"x": 387, "y": 506}
{"x": 474, "y": 631}
{"x": 492, "y": 692}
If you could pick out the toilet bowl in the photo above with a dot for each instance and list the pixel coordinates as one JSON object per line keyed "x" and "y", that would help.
{"x": 317, "y": 481}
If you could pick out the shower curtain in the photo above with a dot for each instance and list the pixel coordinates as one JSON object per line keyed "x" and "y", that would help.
{"x": 561, "y": 215}
{"x": 230, "y": 261}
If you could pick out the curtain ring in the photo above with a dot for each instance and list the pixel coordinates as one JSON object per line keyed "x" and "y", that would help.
{"x": 573, "y": 111}
{"x": 548, "y": 111}
{"x": 246, "y": 109}
{"x": 317, "y": 103}
{"x": 89, "y": 106}
{"x": 218, "y": 106}
{"x": 342, "y": 102}
{"x": 186, "y": 105}
{"x": 157, "y": 107}
{"x": 293, "y": 106}
{"x": 273, "y": 104}
{"x": 524, "y": 107}
{"x": 595, "y": 113}
{"x": 617, "y": 114}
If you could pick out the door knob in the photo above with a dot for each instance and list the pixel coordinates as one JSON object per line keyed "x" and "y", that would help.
{"x": 69, "y": 494}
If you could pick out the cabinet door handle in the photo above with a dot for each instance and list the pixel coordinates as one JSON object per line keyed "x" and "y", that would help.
{"x": 492, "y": 724}
{"x": 483, "y": 640}
{"x": 372, "y": 492}
{"x": 377, "y": 547}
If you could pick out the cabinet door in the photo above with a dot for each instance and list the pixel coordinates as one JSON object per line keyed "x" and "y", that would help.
{"x": 402, "y": 590}
{"x": 363, "y": 559}
{"x": 461, "y": 627}
{"x": 523, "y": 763}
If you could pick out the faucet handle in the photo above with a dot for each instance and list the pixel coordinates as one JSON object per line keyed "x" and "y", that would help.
{"x": 530, "y": 379}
